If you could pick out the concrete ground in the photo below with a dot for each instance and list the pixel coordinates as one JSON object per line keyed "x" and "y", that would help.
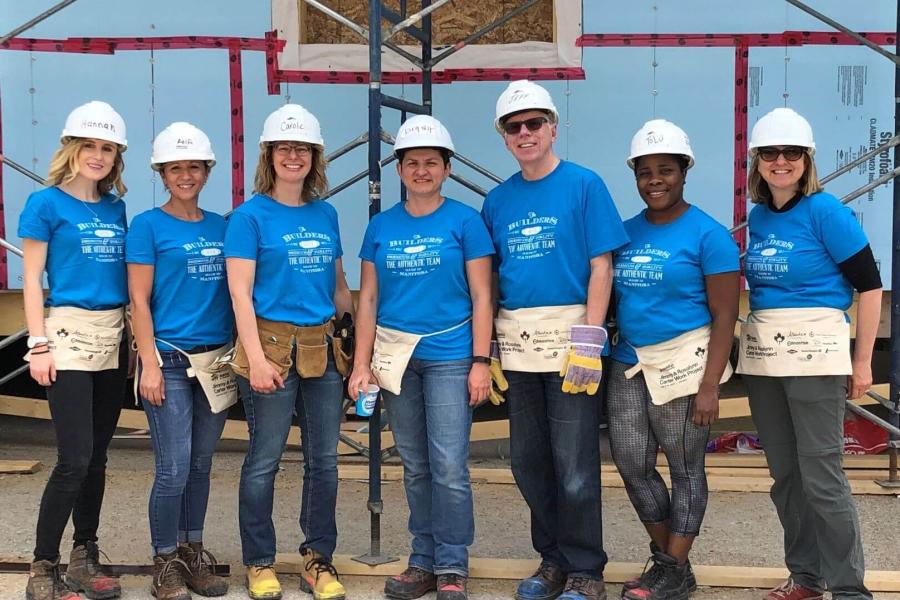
{"x": 740, "y": 529}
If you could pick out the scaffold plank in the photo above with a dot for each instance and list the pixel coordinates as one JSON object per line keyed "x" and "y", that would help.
{"x": 20, "y": 467}
{"x": 615, "y": 572}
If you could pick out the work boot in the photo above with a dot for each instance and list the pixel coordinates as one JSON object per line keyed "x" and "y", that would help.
{"x": 168, "y": 578}
{"x": 451, "y": 586}
{"x": 262, "y": 583}
{"x": 546, "y": 584}
{"x": 44, "y": 582}
{"x": 649, "y": 576}
{"x": 84, "y": 574}
{"x": 200, "y": 577}
{"x": 410, "y": 584}
{"x": 670, "y": 583}
{"x": 319, "y": 577}
{"x": 793, "y": 591}
{"x": 582, "y": 587}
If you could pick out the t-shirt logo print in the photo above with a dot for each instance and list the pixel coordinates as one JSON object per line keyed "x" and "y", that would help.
{"x": 532, "y": 237}
{"x": 309, "y": 251}
{"x": 414, "y": 256}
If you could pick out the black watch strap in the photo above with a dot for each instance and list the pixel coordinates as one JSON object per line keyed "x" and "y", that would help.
{"x": 481, "y": 359}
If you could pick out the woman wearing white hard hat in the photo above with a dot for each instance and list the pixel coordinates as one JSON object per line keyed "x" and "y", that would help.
{"x": 676, "y": 290}
{"x": 283, "y": 254}
{"x": 432, "y": 366}
{"x": 806, "y": 255}
{"x": 181, "y": 314}
{"x": 75, "y": 230}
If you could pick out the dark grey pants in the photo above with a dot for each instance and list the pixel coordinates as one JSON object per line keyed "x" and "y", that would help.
{"x": 800, "y": 421}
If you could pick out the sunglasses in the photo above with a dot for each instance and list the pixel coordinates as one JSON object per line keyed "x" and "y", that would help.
{"x": 770, "y": 153}
{"x": 533, "y": 124}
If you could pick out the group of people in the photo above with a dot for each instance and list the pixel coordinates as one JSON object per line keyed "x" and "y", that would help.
{"x": 455, "y": 308}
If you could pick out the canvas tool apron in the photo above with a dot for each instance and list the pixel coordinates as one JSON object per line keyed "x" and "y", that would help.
{"x": 785, "y": 342}
{"x": 392, "y": 351}
{"x": 84, "y": 340}
{"x": 536, "y": 340}
{"x": 213, "y": 373}
{"x": 675, "y": 368}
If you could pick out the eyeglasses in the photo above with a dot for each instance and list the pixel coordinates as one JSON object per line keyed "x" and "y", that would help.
{"x": 770, "y": 153}
{"x": 288, "y": 149}
{"x": 533, "y": 124}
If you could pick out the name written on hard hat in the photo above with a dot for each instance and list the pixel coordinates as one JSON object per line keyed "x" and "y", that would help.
{"x": 98, "y": 125}
{"x": 291, "y": 124}
{"x": 182, "y": 143}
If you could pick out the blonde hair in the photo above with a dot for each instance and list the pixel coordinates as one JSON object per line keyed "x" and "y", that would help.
{"x": 64, "y": 167}
{"x": 759, "y": 190}
{"x": 314, "y": 185}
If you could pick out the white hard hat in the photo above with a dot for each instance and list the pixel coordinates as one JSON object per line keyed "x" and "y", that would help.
{"x": 524, "y": 95}
{"x": 292, "y": 123}
{"x": 782, "y": 127}
{"x": 660, "y": 137}
{"x": 181, "y": 141}
{"x": 422, "y": 131}
{"x": 96, "y": 120}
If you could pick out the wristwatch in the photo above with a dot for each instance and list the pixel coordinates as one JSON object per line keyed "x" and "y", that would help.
{"x": 35, "y": 340}
{"x": 485, "y": 360}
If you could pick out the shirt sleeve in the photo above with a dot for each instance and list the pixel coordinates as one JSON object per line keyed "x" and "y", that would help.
{"x": 604, "y": 229}
{"x": 140, "y": 246}
{"x": 367, "y": 250}
{"x": 486, "y": 219}
{"x": 34, "y": 222}
{"x": 841, "y": 233}
{"x": 338, "y": 248}
{"x": 242, "y": 237}
{"x": 475, "y": 239}
{"x": 718, "y": 252}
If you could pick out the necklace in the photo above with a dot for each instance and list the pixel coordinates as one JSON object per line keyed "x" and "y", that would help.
{"x": 90, "y": 210}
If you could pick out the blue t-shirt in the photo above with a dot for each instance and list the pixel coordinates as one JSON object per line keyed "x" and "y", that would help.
{"x": 660, "y": 278}
{"x": 294, "y": 248}
{"x": 792, "y": 257}
{"x": 85, "y": 247}
{"x": 421, "y": 268}
{"x": 189, "y": 300}
{"x": 546, "y": 232}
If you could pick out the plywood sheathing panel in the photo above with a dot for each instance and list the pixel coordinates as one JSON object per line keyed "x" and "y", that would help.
{"x": 450, "y": 23}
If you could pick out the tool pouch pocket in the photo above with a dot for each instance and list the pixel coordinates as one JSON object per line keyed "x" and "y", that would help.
{"x": 276, "y": 341}
{"x": 312, "y": 351}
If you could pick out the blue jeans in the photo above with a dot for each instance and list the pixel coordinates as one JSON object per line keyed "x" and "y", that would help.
{"x": 431, "y": 421}
{"x": 555, "y": 453}
{"x": 318, "y": 405}
{"x": 185, "y": 433}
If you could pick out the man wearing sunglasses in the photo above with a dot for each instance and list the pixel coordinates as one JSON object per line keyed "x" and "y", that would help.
{"x": 554, "y": 227}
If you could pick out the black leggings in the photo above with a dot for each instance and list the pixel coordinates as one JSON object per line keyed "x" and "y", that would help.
{"x": 85, "y": 408}
{"x": 637, "y": 430}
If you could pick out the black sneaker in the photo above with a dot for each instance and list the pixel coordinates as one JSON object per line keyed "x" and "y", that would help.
{"x": 670, "y": 584}
{"x": 451, "y": 586}
{"x": 410, "y": 584}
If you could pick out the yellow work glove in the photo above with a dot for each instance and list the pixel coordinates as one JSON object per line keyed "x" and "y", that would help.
{"x": 498, "y": 379}
{"x": 583, "y": 369}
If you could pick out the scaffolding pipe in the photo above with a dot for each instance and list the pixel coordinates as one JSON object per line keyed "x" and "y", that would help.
{"x": 18, "y": 371}
{"x": 472, "y": 186}
{"x": 477, "y": 168}
{"x": 358, "y": 177}
{"x": 354, "y": 143}
{"x": 29, "y": 24}
{"x": 11, "y": 339}
{"x": 17, "y": 167}
{"x": 412, "y": 19}
{"x": 859, "y": 38}
{"x": 14, "y": 249}
{"x": 861, "y": 159}
{"x": 894, "y": 389}
{"x": 471, "y": 38}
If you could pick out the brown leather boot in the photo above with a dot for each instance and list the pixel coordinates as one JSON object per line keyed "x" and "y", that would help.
{"x": 84, "y": 574}
{"x": 44, "y": 582}
{"x": 168, "y": 578}
{"x": 200, "y": 577}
